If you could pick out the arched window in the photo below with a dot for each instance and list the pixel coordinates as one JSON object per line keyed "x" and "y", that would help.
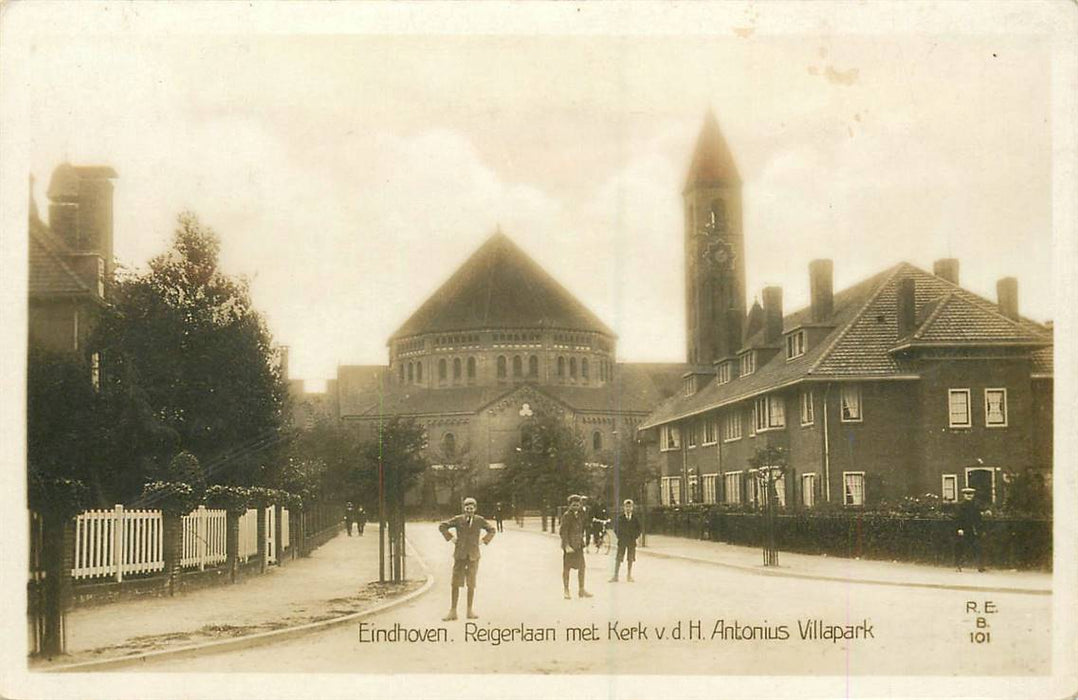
{"x": 456, "y": 369}
{"x": 584, "y": 369}
{"x": 449, "y": 445}
{"x": 561, "y": 366}
{"x": 411, "y": 373}
{"x": 419, "y": 371}
{"x": 533, "y": 366}
{"x": 501, "y": 366}
{"x": 441, "y": 370}
{"x": 518, "y": 366}
{"x": 572, "y": 368}
{"x": 471, "y": 368}
{"x": 596, "y": 441}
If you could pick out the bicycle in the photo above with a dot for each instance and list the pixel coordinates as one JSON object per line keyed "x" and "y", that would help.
{"x": 601, "y": 537}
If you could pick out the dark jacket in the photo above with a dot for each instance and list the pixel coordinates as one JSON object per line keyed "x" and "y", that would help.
{"x": 467, "y": 546}
{"x": 967, "y": 518}
{"x": 627, "y": 529}
{"x": 572, "y": 529}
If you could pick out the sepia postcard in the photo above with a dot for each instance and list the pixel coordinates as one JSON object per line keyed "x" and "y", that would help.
{"x": 528, "y": 350}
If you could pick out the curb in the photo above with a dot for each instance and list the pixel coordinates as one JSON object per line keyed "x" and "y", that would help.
{"x": 250, "y": 640}
{"x": 824, "y": 577}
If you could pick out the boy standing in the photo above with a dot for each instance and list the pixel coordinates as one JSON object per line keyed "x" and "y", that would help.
{"x": 466, "y": 538}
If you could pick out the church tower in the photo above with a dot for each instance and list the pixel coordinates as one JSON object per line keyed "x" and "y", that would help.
{"x": 714, "y": 250}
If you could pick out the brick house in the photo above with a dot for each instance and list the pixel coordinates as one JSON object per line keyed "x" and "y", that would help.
{"x": 901, "y": 385}
{"x": 70, "y": 261}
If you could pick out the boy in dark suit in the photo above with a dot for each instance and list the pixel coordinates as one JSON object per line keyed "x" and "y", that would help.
{"x": 627, "y": 528}
{"x": 466, "y": 552}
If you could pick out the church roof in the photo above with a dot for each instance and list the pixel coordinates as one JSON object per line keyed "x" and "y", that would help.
{"x": 499, "y": 286}
{"x": 712, "y": 162}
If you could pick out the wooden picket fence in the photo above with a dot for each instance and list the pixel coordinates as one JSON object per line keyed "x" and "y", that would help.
{"x": 205, "y": 538}
{"x": 285, "y": 541}
{"x": 248, "y": 534}
{"x": 117, "y": 542}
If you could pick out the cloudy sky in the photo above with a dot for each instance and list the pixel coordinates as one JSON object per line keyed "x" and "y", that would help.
{"x": 350, "y": 171}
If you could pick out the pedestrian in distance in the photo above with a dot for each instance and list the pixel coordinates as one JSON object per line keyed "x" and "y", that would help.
{"x": 361, "y": 519}
{"x": 598, "y": 522}
{"x": 627, "y": 529}
{"x": 586, "y": 512}
{"x": 349, "y": 516}
{"x": 573, "y": 527}
{"x": 499, "y": 517}
{"x": 968, "y": 528}
{"x": 465, "y": 538}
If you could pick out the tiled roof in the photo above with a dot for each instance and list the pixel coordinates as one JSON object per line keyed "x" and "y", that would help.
{"x": 499, "y": 286}
{"x": 712, "y": 161}
{"x": 864, "y": 331}
{"x": 49, "y": 273}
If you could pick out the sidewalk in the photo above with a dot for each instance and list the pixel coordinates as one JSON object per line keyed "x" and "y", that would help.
{"x": 822, "y": 567}
{"x": 338, "y": 580}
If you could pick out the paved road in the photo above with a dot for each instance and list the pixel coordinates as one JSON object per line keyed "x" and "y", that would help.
{"x": 908, "y": 630}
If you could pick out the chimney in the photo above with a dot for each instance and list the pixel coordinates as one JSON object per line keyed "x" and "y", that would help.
{"x": 907, "y": 306}
{"x": 946, "y": 269}
{"x": 772, "y": 314}
{"x": 1007, "y": 296}
{"x": 821, "y": 289}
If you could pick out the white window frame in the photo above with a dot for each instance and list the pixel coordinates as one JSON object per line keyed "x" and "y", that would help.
{"x": 711, "y": 430}
{"x": 710, "y": 491}
{"x": 731, "y": 487}
{"x": 849, "y": 391}
{"x": 748, "y": 363}
{"x": 847, "y": 499}
{"x": 953, "y": 480}
{"x": 674, "y": 485}
{"x": 731, "y": 425}
{"x": 725, "y": 373}
{"x": 991, "y": 474}
{"x": 808, "y": 409}
{"x": 795, "y": 345}
{"x": 953, "y": 394}
{"x": 670, "y": 438}
{"x": 1003, "y": 405}
{"x": 770, "y": 413}
{"x": 808, "y": 489}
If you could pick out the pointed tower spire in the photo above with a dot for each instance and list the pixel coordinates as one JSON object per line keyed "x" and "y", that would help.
{"x": 712, "y": 163}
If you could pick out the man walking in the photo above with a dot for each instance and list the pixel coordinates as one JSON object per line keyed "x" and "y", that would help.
{"x": 466, "y": 539}
{"x": 572, "y": 532}
{"x": 499, "y": 517}
{"x": 627, "y": 528}
{"x": 349, "y": 516}
{"x": 968, "y": 530}
{"x": 361, "y": 519}
{"x": 585, "y": 514}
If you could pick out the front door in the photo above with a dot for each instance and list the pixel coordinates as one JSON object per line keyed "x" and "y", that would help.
{"x": 981, "y": 479}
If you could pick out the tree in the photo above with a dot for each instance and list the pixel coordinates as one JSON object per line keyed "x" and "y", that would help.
{"x": 549, "y": 465}
{"x": 184, "y": 337}
{"x": 770, "y": 465}
{"x": 453, "y": 470}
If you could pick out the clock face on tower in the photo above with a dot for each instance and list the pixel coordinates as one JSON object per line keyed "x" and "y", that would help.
{"x": 716, "y": 250}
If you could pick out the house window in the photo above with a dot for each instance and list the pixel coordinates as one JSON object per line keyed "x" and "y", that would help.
{"x": 949, "y": 489}
{"x": 710, "y": 431}
{"x": 596, "y": 441}
{"x": 471, "y": 368}
{"x": 501, "y": 366}
{"x": 671, "y": 491}
{"x": 533, "y": 366}
{"x": 690, "y": 434}
{"x": 807, "y": 411}
{"x": 724, "y": 372}
{"x": 441, "y": 370}
{"x": 95, "y": 371}
{"x": 851, "y": 403}
{"x": 731, "y": 487}
{"x": 958, "y": 408}
{"x": 995, "y": 408}
{"x": 731, "y": 425}
{"x": 795, "y": 345}
{"x": 770, "y": 413}
{"x": 808, "y": 490}
{"x": 853, "y": 488}
{"x": 690, "y": 385}
{"x": 748, "y": 363}
{"x": 710, "y": 482}
{"x": 671, "y": 437}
